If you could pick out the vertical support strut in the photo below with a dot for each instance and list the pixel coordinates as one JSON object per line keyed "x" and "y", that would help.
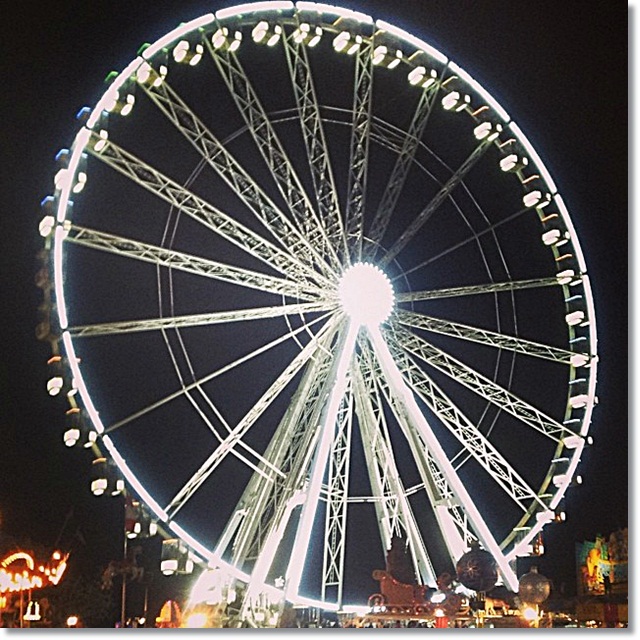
{"x": 409, "y": 406}
{"x": 337, "y": 492}
{"x": 338, "y": 387}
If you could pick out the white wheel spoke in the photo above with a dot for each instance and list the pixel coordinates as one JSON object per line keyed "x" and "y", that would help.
{"x": 483, "y": 386}
{"x": 400, "y": 170}
{"x": 239, "y": 431}
{"x": 392, "y": 506}
{"x": 338, "y": 379}
{"x": 243, "y": 458}
{"x": 359, "y": 154}
{"x": 213, "y": 375}
{"x": 472, "y": 290}
{"x": 436, "y": 201}
{"x": 217, "y": 156}
{"x": 471, "y": 240}
{"x": 171, "y": 259}
{"x": 413, "y": 414}
{"x": 208, "y": 215}
{"x": 195, "y": 320}
{"x": 272, "y": 151}
{"x": 326, "y": 194}
{"x": 447, "y": 509}
{"x": 466, "y": 432}
{"x": 482, "y": 336}
{"x": 337, "y": 498}
{"x": 268, "y": 505}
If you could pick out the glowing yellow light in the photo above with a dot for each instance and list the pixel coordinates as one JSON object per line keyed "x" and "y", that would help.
{"x": 18, "y": 555}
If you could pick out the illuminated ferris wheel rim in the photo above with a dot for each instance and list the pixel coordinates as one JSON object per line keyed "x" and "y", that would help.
{"x": 283, "y": 11}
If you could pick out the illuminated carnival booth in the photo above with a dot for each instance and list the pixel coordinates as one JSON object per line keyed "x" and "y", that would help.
{"x": 20, "y": 575}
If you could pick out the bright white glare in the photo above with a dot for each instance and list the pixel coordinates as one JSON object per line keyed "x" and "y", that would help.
{"x": 355, "y": 608}
{"x": 262, "y": 30}
{"x": 381, "y": 55}
{"x": 338, "y": 11}
{"x": 180, "y": 51}
{"x": 419, "y": 76}
{"x": 221, "y": 38}
{"x": 71, "y": 436}
{"x": 46, "y": 226}
{"x": 196, "y": 621}
{"x": 366, "y": 294}
{"x": 487, "y": 130}
{"x": 251, "y": 7}
{"x": 303, "y": 34}
{"x": 344, "y": 41}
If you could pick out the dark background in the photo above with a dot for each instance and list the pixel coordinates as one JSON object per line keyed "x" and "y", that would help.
{"x": 560, "y": 70}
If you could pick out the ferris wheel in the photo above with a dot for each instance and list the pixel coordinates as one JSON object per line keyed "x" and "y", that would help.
{"x": 316, "y": 289}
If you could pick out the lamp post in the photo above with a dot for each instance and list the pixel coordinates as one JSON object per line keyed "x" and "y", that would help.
{"x": 123, "y": 595}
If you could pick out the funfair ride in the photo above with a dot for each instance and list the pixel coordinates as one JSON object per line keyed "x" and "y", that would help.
{"x": 315, "y": 288}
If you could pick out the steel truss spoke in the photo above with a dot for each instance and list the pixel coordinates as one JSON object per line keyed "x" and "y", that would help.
{"x": 172, "y": 259}
{"x": 472, "y": 290}
{"x": 265, "y": 505}
{"x": 271, "y": 149}
{"x": 243, "y": 458}
{"x": 437, "y": 200}
{"x": 337, "y": 492}
{"x": 326, "y": 194}
{"x": 465, "y": 431}
{"x": 449, "y": 514}
{"x": 306, "y": 467}
{"x": 226, "y": 368}
{"x": 195, "y": 320}
{"x": 400, "y": 170}
{"x": 394, "y": 513}
{"x": 359, "y": 152}
{"x": 228, "y": 168}
{"x": 245, "y": 424}
{"x": 409, "y": 412}
{"x": 327, "y": 424}
{"x": 483, "y": 386}
{"x": 483, "y": 336}
{"x": 203, "y": 212}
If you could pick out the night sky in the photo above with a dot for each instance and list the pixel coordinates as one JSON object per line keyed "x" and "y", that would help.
{"x": 559, "y": 68}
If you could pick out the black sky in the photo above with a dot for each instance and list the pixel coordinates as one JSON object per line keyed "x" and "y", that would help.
{"x": 559, "y": 68}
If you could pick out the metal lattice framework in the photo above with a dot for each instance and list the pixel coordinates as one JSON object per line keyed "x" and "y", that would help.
{"x": 204, "y": 217}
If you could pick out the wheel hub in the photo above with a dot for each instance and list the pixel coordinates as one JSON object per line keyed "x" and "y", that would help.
{"x": 366, "y": 294}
